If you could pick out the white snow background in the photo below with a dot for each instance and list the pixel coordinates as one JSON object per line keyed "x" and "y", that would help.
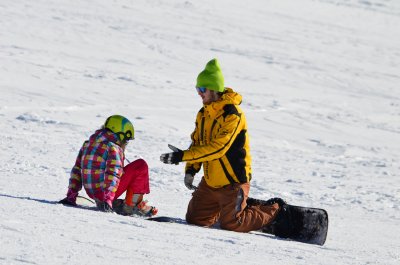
{"x": 320, "y": 84}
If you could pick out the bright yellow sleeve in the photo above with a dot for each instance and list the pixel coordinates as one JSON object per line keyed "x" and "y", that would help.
{"x": 219, "y": 145}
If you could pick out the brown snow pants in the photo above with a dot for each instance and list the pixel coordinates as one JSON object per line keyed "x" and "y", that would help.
{"x": 228, "y": 206}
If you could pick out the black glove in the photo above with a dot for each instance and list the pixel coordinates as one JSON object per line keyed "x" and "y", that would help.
{"x": 172, "y": 158}
{"x": 104, "y": 206}
{"x": 70, "y": 199}
{"x": 67, "y": 201}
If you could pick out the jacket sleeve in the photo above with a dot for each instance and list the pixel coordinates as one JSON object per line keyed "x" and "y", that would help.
{"x": 113, "y": 171}
{"x": 193, "y": 168}
{"x": 75, "y": 180}
{"x": 220, "y": 144}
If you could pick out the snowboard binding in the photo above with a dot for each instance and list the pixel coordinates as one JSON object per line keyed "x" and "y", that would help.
{"x": 303, "y": 224}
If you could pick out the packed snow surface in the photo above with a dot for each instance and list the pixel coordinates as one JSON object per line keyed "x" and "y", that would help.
{"x": 320, "y": 85}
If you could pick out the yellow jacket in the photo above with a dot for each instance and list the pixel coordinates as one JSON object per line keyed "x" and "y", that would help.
{"x": 220, "y": 143}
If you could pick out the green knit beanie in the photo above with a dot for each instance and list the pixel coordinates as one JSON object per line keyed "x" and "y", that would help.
{"x": 211, "y": 77}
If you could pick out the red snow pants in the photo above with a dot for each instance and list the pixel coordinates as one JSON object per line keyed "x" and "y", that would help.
{"x": 135, "y": 179}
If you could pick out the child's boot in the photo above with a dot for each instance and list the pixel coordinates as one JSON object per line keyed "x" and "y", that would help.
{"x": 146, "y": 210}
{"x": 135, "y": 205}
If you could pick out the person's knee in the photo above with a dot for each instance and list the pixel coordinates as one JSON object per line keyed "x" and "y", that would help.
{"x": 200, "y": 218}
{"x": 141, "y": 164}
{"x": 200, "y": 221}
{"x": 231, "y": 224}
{"x": 189, "y": 218}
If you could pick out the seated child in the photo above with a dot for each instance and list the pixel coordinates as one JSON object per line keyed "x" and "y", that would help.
{"x": 99, "y": 167}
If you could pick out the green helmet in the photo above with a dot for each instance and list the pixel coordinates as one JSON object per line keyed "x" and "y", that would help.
{"x": 121, "y": 126}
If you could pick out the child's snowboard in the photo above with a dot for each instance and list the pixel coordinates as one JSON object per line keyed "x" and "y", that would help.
{"x": 303, "y": 224}
{"x": 84, "y": 202}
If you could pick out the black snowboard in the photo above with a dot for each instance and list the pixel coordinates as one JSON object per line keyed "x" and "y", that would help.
{"x": 303, "y": 224}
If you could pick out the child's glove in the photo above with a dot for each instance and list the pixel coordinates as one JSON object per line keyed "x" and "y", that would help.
{"x": 70, "y": 199}
{"x": 104, "y": 206}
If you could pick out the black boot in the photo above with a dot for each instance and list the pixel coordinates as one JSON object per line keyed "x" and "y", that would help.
{"x": 117, "y": 205}
{"x": 283, "y": 225}
{"x": 254, "y": 202}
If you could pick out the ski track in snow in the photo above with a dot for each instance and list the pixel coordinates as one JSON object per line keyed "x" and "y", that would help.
{"x": 319, "y": 81}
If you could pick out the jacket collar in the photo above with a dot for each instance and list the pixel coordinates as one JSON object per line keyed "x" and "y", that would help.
{"x": 103, "y": 135}
{"x": 229, "y": 97}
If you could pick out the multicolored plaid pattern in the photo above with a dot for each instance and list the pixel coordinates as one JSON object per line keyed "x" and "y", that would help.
{"x": 99, "y": 166}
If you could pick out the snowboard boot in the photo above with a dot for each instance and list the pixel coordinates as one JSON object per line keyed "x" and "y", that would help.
{"x": 146, "y": 210}
{"x": 283, "y": 225}
{"x": 255, "y": 202}
{"x": 140, "y": 209}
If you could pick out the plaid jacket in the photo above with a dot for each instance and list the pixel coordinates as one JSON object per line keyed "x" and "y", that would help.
{"x": 99, "y": 166}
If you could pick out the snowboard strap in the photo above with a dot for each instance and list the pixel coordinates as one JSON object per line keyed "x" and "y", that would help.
{"x": 254, "y": 202}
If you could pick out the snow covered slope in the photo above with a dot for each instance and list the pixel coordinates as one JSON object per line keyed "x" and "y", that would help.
{"x": 320, "y": 81}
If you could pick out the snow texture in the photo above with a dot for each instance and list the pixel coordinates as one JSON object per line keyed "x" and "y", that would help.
{"x": 320, "y": 84}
